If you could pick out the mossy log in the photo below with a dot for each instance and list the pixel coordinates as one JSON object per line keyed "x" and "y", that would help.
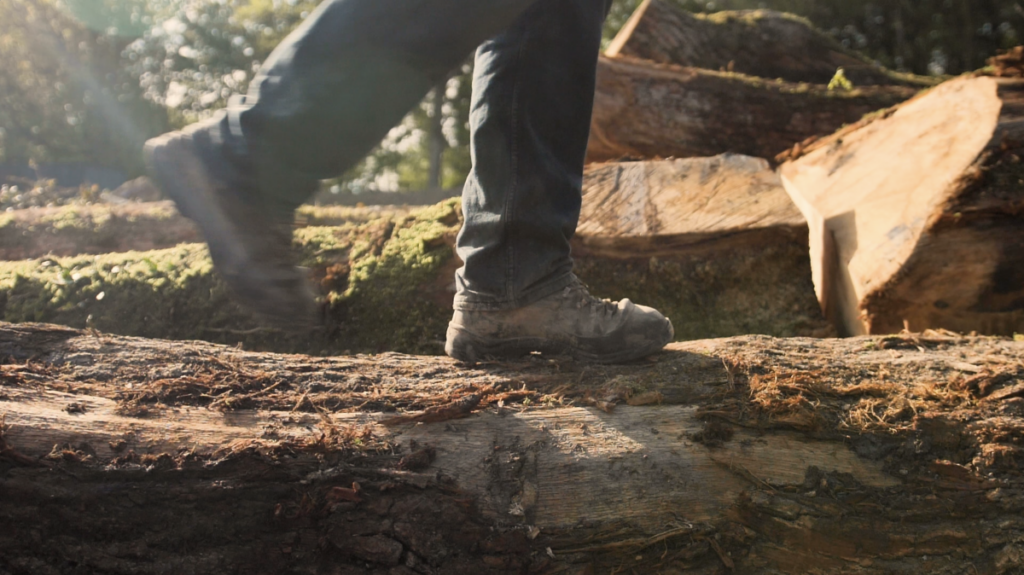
{"x": 917, "y": 215}
{"x": 384, "y": 284}
{"x": 387, "y": 284}
{"x": 648, "y": 110}
{"x": 137, "y": 226}
{"x": 715, "y": 242}
{"x": 747, "y": 455}
{"x": 760, "y": 43}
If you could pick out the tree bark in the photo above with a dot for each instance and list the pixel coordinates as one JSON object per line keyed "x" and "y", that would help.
{"x": 647, "y": 110}
{"x": 915, "y": 215}
{"x": 752, "y": 455}
{"x": 760, "y": 43}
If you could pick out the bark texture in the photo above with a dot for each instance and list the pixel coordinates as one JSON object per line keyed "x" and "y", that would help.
{"x": 916, "y": 214}
{"x": 648, "y": 110}
{"x": 745, "y": 455}
{"x": 760, "y": 43}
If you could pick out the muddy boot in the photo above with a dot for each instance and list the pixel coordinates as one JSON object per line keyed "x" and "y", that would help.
{"x": 570, "y": 322}
{"x": 249, "y": 244}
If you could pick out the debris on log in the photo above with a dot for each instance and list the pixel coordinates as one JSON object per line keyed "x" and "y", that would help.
{"x": 138, "y": 226}
{"x": 917, "y": 214}
{"x": 648, "y": 110}
{"x": 760, "y": 455}
{"x": 716, "y": 242}
{"x": 760, "y": 43}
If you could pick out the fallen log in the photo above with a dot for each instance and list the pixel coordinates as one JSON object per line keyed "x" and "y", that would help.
{"x": 716, "y": 242}
{"x": 752, "y": 454}
{"x": 135, "y": 226}
{"x": 388, "y": 284}
{"x": 760, "y": 43}
{"x": 648, "y": 110}
{"x": 916, "y": 214}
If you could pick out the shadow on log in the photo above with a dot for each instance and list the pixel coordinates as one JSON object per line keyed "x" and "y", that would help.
{"x": 753, "y": 454}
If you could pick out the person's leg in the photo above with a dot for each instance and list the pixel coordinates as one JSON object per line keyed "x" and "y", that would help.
{"x": 324, "y": 98}
{"x": 533, "y": 96}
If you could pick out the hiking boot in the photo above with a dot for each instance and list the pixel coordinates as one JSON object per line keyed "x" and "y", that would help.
{"x": 250, "y": 246}
{"x": 570, "y": 322}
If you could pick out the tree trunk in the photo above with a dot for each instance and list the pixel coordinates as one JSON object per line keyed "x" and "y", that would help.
{"x": 647, "y": 110}
{"x": 747, "y": 455}
{"x": 915, "y": 215}
{"x": 760, "y": 43}
{"x": 722, "y": 228}
{"x": 437, "y": 141}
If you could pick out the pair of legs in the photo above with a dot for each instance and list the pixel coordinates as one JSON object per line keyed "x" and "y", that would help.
{"x": 333, "y": 89}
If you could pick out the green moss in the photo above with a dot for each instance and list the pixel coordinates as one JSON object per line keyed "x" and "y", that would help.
{"x": 6, "y": 219}
{"x": 377, "y": 266}
{"x": 380, "y": 303}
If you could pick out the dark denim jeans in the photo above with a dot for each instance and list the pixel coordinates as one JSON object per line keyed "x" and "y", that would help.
{"x": 337, "y": 84}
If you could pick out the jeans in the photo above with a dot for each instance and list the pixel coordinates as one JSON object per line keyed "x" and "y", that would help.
{"x": 335, "y": 86}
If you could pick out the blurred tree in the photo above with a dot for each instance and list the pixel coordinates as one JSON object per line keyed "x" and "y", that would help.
{"x": 64, "y": 94}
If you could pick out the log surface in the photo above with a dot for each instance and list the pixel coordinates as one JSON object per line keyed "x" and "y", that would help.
{"x": 648, "y": 110}
{"x": 751, "y": 454}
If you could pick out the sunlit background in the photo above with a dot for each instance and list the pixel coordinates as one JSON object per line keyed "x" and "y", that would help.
{"x": 85, "y": 82}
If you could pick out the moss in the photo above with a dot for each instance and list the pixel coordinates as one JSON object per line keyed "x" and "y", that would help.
{"x": 174, "y": 293}
{"x": 380, "y": 303}
{"x": 6, "y": 219}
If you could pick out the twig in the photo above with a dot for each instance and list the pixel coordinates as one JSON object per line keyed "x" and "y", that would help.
{"x": 457, "y": 409}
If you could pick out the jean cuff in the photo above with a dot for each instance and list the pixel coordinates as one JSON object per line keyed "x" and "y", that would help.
{"x": 470, "y": 301}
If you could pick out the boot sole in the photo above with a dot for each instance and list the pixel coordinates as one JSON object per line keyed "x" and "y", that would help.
{"x": 465, "y": 346}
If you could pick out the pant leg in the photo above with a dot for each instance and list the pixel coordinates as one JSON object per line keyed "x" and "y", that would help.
{"x": 336, "y": 85}
{"x": 533, "y": 96}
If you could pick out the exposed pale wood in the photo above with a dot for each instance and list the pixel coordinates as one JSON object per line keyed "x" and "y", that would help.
{"x": 249, "y": 462}
{"x": 915, "y": 216}
{"x": 761, "y": 43}
{"x": 657, "y": 207}
{"x": 648, "y": 110}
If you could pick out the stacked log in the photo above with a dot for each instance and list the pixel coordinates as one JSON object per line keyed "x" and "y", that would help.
{"x": 649, "y": 110}
{"x": 714, "y": 243}
{"x": 754, "y": 83}
{"x": 387, "y": 283}
{"x": 745, "y": 455}
{"x": 761, "y": 43}
{"x": 917, "y": 214}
